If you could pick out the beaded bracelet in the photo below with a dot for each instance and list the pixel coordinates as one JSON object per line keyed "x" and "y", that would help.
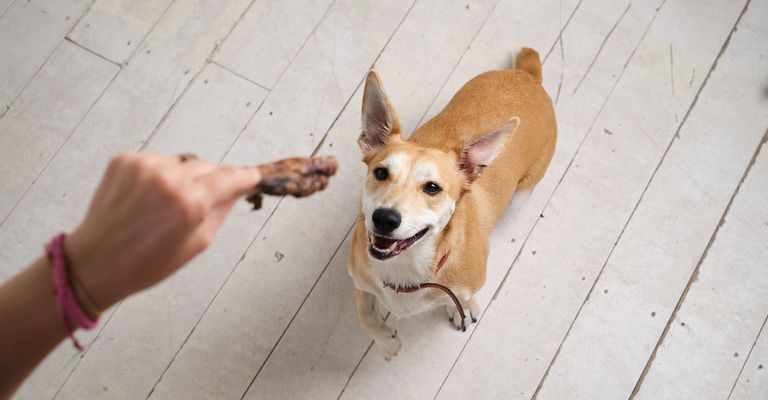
{"x": 70, "y": 311}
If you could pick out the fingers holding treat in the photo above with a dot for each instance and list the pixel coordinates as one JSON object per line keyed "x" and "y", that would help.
{"x": 298, "y": 177}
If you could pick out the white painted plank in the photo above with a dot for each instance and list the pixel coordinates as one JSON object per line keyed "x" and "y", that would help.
{"x": 269, "y": 36}
{"x": 725, "y": 307}
{"x": 204, "y": 122}
{"x": 430, "y": 345}
{"x": 617, "y": 329}
{"x": 44, "y": 115}
{"x": 319, "y": 82}
{"x": 753, "y": 381}
{"x": 317, "y": 354}
{"x": 122, "y": 119}
{"x": 115, "y": 28}
{"x": 29, "y": 32}
{"x": 520, "y": 332}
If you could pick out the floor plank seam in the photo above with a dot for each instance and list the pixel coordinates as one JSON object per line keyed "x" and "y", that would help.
{"x": 220, "y": 42}
{"x": 359, "y": 362}
{"x": 7, "y": 8}
{"x": 694, "y": 275}
{"x": 600, "y": 49}
{"x": 240, "y": 76}
{"x": 81, "y": 356}
{"x": 554, "y": 190}
{"x": 279, "y": 78}
{"x": 77, "y": 22}
{"x": 458, "y": 62}
{"x": 32, "y": 78}
{"x": 127, "y": 59}
{"x": 360, "y": 84}
{"x": 562, "y": 28}
{"x": 290, "y": 322}
{"x": 349, "y": 379}
{"x": 746, "y": 359}
{"x": 199, "y": 72}
{"x": 80, "y": 18}
{"x": 93, "y": 52}
{"x": 210, "y": 302}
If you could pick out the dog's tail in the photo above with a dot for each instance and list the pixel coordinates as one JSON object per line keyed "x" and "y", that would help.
{"x": 528, "y": 60}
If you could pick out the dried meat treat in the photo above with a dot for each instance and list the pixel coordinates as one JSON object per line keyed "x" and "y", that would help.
{"x": 298, "y": 177}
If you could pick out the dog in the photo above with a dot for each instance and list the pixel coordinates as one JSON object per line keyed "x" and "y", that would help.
{"x": 429, "y": 202}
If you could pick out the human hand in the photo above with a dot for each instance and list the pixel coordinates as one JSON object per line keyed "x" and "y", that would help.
{"x": 150, "y": 215}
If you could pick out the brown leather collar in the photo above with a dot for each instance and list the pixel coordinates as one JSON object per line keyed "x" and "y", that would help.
{"x": 411, "y": 289}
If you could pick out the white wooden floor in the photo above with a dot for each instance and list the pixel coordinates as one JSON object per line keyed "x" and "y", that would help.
{"x": 637, "y": 269}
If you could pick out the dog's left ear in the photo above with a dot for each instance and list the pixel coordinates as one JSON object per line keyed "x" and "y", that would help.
{"x": 480, "y": 152}
{"x": 379, "y": 118}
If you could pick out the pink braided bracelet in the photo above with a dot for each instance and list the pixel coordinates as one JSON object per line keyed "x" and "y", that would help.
{"x": 70, "y": 312}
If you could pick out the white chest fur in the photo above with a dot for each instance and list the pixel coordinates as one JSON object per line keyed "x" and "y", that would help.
{"x": 410, "y": 268}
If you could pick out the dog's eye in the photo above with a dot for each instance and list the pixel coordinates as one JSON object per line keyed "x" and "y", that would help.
{"x": 381, "y": 173}
{"x": 432, "y": 188}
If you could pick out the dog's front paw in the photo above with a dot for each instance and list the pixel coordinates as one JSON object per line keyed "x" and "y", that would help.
{"x": 389, "y": 346}
{"x": 470, "y": 316}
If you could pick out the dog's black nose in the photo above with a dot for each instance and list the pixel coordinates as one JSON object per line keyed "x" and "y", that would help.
{"x": 385, "y": 220}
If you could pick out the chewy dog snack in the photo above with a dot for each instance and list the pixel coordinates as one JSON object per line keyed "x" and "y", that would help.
{"x": 296, "y": 176}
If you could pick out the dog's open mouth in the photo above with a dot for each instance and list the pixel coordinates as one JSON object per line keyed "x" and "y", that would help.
{"x": 382, "y": 247}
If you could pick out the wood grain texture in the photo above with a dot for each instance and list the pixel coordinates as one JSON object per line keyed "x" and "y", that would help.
{"x": 114, "y": 29}
{"x": 618, "y": 328}
{"x": 521, "y": 331}
{"x": 753, "y": 380}
{"x": 45, "y": 114}
{"x": 726, "y": 307}
{"x": 29, "y": 33}
{"x": 270, "y": 36}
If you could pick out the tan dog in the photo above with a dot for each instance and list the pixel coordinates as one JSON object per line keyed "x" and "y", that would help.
{"x": 430, "y": 202}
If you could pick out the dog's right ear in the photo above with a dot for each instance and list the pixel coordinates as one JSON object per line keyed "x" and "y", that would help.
{"x": 379, "y": 118}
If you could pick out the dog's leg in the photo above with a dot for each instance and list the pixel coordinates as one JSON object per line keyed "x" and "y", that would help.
{"x": 471, "y": 311}
{"x": 385, "y": 337}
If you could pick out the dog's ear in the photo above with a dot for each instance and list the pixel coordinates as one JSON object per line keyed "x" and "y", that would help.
{"x": 379, "y": 118}
{"x": 478, "y": 153}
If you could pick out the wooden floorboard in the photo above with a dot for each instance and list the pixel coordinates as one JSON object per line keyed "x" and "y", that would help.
{"x": 724, "y": 310}
{"x": 629, "y": 306}
{"x": 636, "y": 268}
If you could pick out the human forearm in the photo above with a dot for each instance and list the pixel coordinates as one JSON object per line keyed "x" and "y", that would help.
{"x": 29, "y": 322}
